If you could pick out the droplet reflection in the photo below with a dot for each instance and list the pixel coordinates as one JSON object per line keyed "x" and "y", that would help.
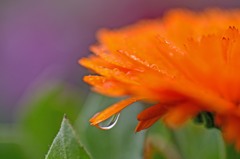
{"x": 110, "y": 123}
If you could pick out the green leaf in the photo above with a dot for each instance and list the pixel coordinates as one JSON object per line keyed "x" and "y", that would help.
{"x": 66, "y": 144}
{"x": 121, "y": 141}
{"x": 232, "y": 152}
{"x": 11, "y": 151}
{"x": 160, "y": 144}
{"x": 197, "y": 142}
{"x": 9, "y": 143}
{"x": 193, "y": 141}
{"x": 41, "y": 113}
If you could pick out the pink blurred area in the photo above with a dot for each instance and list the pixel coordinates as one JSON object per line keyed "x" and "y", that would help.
{"x": 44, "y": 39}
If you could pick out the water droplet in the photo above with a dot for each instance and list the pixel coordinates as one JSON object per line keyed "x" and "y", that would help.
{"x": 110, "y": 123}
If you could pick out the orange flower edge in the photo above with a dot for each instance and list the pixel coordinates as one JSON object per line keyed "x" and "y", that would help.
{"x": 185, "y": 62}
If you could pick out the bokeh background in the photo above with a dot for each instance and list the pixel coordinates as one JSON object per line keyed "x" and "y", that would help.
{"x": 40, "y": 79}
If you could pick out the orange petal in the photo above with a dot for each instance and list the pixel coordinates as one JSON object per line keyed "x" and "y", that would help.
{"x": 106, "y": 86}
{"x": 117, "y": 58}
{"x": 230, "y": 128}
{"x": 178, "y": 114}
{"x": 149, "y": 116}
{"x": 152, "y": 112}
{"x": 205, "y": 97}
{"x": 114, "y": 109}
{"x": 98, "y": 66}
{"x": 134, "y": 46}
{"x": 146, "y": 123}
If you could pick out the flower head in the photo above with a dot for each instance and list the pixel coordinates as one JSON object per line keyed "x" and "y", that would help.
{"x": 185, "y": 63}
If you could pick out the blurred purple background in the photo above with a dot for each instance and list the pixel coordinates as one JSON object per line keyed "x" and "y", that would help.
{"x": 44, "y": 39}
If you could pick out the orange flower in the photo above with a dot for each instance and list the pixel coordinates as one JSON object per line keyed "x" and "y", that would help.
{"x": 185, "y": 63}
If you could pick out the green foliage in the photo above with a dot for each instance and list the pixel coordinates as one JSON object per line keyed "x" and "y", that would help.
{"x": 11, "y": 151}
{"x": 206, "y": 119}
{"x": 38, "y": 119}
{"x": 231, "y": 152}
{"x": 191, "y": 141}
{"x": 9, "y": 146}
{"x": 66, "y": 144}
{"x": 42, "y": 114}
{"x": 118, "y": 143}
{"x": 160, "y": 143}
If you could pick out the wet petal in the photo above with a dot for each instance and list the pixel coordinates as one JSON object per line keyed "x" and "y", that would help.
{"x": 106, "y": 86}
{"x": 144, "y": 124}
{"x": 157, "y": 110}
{"x": 114, "y": 109}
